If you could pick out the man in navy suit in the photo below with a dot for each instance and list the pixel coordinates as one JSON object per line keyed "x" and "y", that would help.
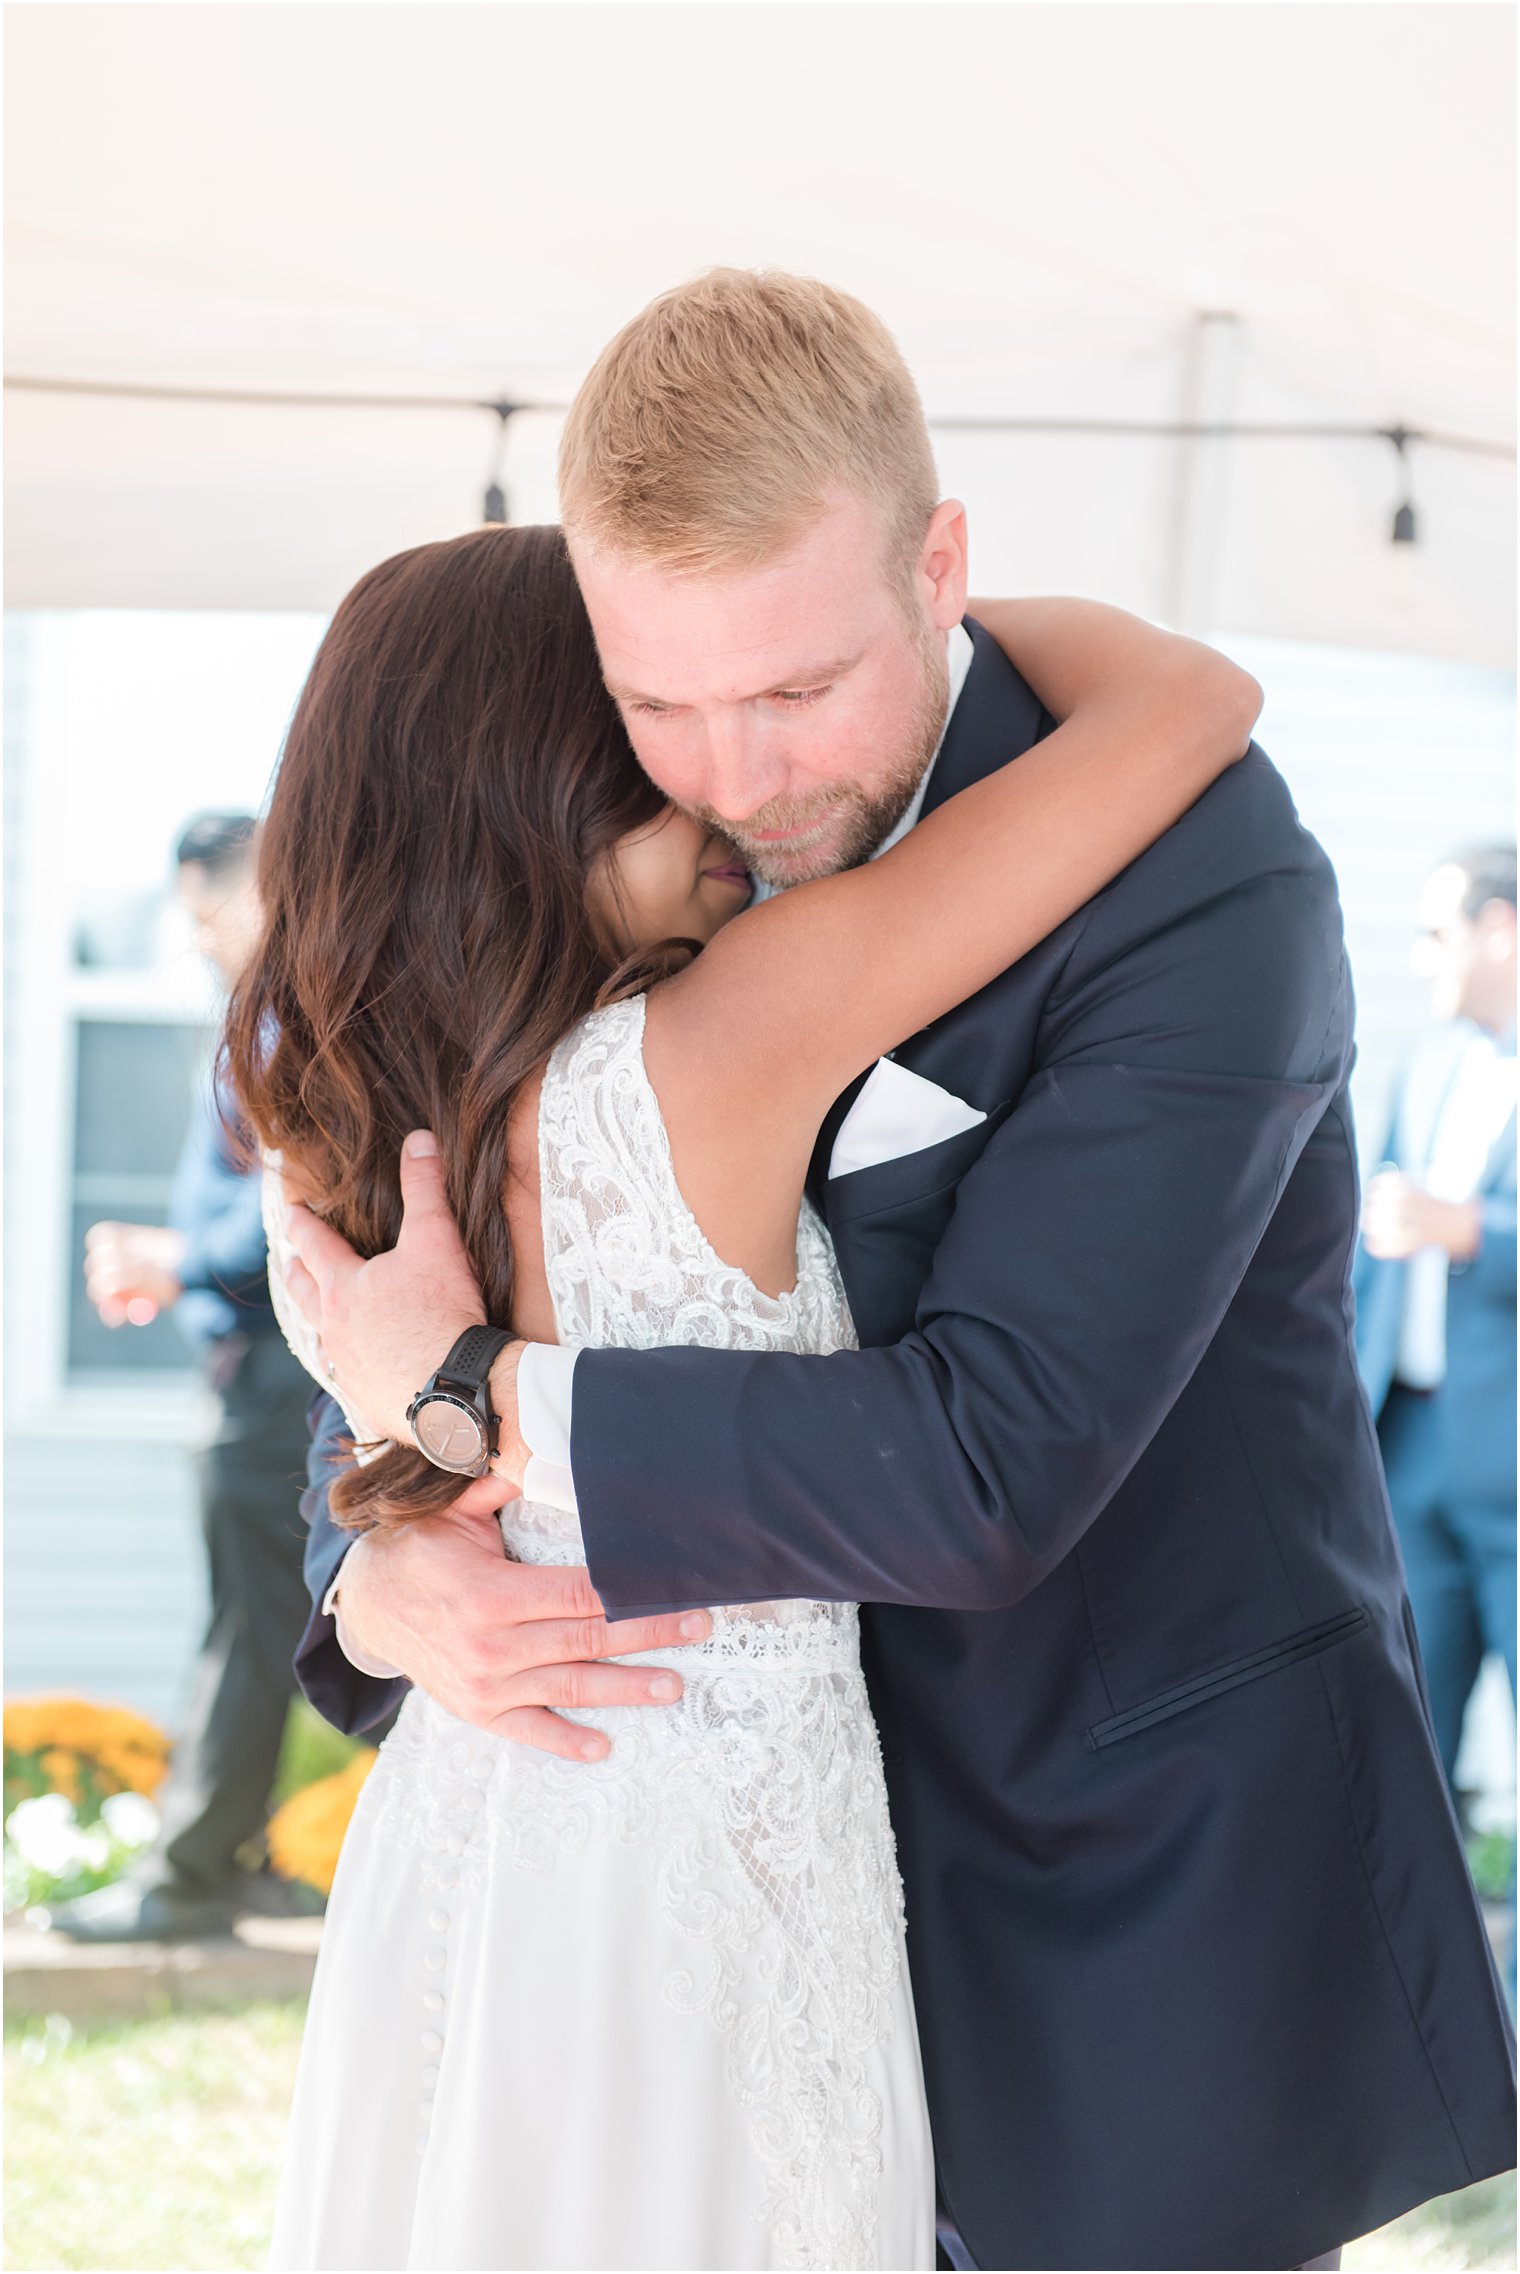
{"x": 1435, "y": 1284}
{"x": 1200, "y": 1977}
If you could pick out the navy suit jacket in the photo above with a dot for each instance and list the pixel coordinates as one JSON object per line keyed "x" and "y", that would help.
{"x": 1478, "y": 1394}
{"x": 1200, "y": 1977}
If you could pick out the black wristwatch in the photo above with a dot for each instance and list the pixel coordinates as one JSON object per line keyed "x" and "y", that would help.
{"x": 451, "y": 1416}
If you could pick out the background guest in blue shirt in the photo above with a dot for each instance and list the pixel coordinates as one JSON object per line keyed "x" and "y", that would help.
{"x": 1436, "y": 1289}
{"x": 209, "y": 1264}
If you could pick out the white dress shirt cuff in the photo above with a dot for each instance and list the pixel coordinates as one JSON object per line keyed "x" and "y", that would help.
{"x": 333, "y": 1609}
{"x": 545, "y": 1384}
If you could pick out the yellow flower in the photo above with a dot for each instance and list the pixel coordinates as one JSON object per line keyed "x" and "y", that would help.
{"x": 23, "y": 1730}
{"x": 306, "y": 1834}
{"x": 122, "y": 1771}
{"x": 124, "y": 1748}
{"x": 61, "y": 1768}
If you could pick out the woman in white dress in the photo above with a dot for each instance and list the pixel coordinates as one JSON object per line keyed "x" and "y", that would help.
{"x": 650, "y": 2010}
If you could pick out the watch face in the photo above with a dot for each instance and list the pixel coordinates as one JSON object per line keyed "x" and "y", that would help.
{"x": 450, "y": 1434}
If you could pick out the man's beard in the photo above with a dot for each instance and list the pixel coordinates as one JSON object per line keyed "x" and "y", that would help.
{"x": 851, "y": 822}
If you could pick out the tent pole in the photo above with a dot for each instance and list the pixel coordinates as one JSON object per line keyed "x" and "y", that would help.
{"x": 1208, "y": 399}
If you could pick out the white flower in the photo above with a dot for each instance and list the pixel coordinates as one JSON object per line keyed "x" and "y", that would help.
{"x": 44, "y": 1833}
{"x": 131, "y": 1818}
{"x": 93, "y": 1846}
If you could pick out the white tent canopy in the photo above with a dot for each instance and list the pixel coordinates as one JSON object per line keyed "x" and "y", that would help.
{"x": 1238, "y": 214}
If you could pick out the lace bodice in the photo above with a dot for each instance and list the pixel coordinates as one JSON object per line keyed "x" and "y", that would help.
{"x": 630, "y": 1268}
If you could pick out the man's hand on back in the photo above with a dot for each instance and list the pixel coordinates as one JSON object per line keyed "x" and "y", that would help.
{"x": 388, "y": 1324}
{"x": 498, "y": 1643}
{"x": 502, "y": 1644}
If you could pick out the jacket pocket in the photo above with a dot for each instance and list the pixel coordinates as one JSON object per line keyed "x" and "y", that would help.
{"x": 910, "y": 1177}
{"x": 1256, "y": 1663}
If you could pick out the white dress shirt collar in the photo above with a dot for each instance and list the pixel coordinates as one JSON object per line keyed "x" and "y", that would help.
{"x": 959, "y": 656}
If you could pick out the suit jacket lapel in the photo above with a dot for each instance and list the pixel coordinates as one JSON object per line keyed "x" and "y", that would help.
{"x": 823, "y": 1151}
{"x": 997, "y": 717}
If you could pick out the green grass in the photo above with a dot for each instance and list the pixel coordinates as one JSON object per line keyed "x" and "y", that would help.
{"x": 1475, "y": 2228}
{"x": 311, "y": 1748}
{"x": 1491, "y": 1860}
{"x": 152, "y": 2144}
{"x": 156, "y": 2145}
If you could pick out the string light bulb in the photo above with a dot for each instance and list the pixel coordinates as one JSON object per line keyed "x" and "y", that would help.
{"x": 1405, "y": 526}
{"x": 1404, "y": 535}
{"x": 494, "y": 505}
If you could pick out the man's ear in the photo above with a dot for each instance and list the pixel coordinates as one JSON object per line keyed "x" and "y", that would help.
{"x": 941, "y": 569}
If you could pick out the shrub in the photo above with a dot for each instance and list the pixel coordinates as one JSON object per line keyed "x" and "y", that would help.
{"x": 306, "y": 1832}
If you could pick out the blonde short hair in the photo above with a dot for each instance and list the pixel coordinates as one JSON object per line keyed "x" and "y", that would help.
{"x": 709, "y": 434}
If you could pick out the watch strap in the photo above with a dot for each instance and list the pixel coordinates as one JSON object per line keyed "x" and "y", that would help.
{"x": 470, "y": 1361}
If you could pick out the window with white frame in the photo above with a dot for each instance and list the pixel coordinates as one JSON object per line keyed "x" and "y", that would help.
{"x": 119, "y": 727}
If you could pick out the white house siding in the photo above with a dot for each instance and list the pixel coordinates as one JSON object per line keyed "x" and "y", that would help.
{"x": 105, "y": 1587}
{"x": 104, "y": 1581}
{"x": 1392, "y": 762}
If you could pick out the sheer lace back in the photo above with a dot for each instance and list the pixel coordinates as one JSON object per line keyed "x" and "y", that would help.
{"x": 629, "y": 1265}
{"x": 630, "y": 1268}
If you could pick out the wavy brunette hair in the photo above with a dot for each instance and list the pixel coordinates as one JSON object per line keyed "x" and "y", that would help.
{"x": 453, "y": 772}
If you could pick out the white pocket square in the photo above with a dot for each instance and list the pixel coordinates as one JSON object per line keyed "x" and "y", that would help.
{"x": 897, "y": 1112}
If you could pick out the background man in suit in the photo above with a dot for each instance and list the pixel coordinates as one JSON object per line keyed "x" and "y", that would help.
{"x": 209, "y": 1264}
{"x": 1435, "y": 1285}
{"x": 1199, "y": 1973}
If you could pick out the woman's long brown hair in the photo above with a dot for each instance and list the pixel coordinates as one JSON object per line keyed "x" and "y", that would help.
{"x": 452, "y": 774}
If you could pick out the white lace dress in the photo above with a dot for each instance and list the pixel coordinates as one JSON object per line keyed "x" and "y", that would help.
{"x": 652, "y": 2012}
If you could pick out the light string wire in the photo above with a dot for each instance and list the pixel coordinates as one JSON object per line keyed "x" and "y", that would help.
{"x": 1398, "y": 437}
